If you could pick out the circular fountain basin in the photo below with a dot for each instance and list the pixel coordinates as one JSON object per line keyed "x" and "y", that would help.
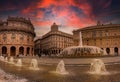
{"x": 81, "y": 51}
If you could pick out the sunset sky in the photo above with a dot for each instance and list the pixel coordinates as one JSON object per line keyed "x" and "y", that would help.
{"x": 68, "y": 14}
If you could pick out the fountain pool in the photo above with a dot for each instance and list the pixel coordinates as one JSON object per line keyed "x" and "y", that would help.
{"x": 76, "y": 73}
{"x": 5, "y": 77}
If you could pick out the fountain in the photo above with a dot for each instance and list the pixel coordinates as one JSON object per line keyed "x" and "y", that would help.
{"x": 34, "y": 65}
{"x": 80, "y": 43}
{"x": 19, "y": 62}
{"x": 11, "y": 60}
{"x": 98, "y": 67}
{"x": 2, "y": 58}
{"x": 81, "y": 51}
{"x": 6, "y": 59}
{"x": 61, "y": 68}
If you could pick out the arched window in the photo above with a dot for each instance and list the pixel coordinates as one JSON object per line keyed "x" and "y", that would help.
{"x": 28, "y": 38}
{"x": 108, "y": 50}
{"x": 107, "y": 33}
{"x": 94, "y": 34}
{"x": 100, "y": 33}
{"x": 116, "y": 51}
{"x": 87, "y": 42}
{"x": 100, "y": 41}
{"x": 95, "y": 42}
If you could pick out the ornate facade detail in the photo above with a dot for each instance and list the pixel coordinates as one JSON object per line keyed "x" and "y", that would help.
{"x": 107, "y": 37}
{"x": 53, "y": 42}
{"x": 13, "y": 36}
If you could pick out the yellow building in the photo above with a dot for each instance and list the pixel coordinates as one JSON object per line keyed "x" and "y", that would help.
{"x": 107, "y": 37}
{"x": 16, "y": 36}
{"x": 53, "y": 42}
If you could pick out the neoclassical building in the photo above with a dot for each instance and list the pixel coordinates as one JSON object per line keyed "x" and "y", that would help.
{"x": 16, "y": 36}
{"x": 107, "y": 37}
{"x": 53, "y": 42}
{"x": 37, "y": 46}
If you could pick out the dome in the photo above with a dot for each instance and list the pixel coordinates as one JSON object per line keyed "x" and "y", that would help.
{"x": 54, "y": 27}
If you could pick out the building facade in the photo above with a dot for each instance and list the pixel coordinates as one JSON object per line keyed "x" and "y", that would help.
{"x": 16, "y": 36}
{"x": 53, "y": 42}
{"x": 107, "y": 37}
{"x": 37, "y": 46}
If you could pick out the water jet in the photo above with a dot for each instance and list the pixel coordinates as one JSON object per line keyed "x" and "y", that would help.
{"x": 98, "y": 67}
{"x": 19, "y": 62}
{"x": 34, "y": 64}
{"x": 61, "y": 68}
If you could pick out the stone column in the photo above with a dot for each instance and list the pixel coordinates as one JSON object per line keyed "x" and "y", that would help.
{"x": 30, "y": 51}
{"x": 112, "y": 51}
{"x": 25, "y": 51}
{"x": 33, "y": 51}
{"x": 8, "y": 50}
{"x": 104, "y": 53}
{"x": 0, "y": 50}
{"x": 118, "y": 51}
{"x": 80, "y": 40}
{"x": 17, "y": 50}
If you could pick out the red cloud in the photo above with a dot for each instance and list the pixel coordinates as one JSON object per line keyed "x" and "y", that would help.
{"x": 77, "y": 22}
{"x": 39, "y": 14}
{"x": 26, "y": 11}
{"x": 42, "y": 23}
{"x": 45, "y": 3}
{"x": 85, "y": 6}
{"x": 48, "y": 3}
{"x": 61, "y": 10}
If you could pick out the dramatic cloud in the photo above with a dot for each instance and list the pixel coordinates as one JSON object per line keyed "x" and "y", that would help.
{"x": 68, "y": 14}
